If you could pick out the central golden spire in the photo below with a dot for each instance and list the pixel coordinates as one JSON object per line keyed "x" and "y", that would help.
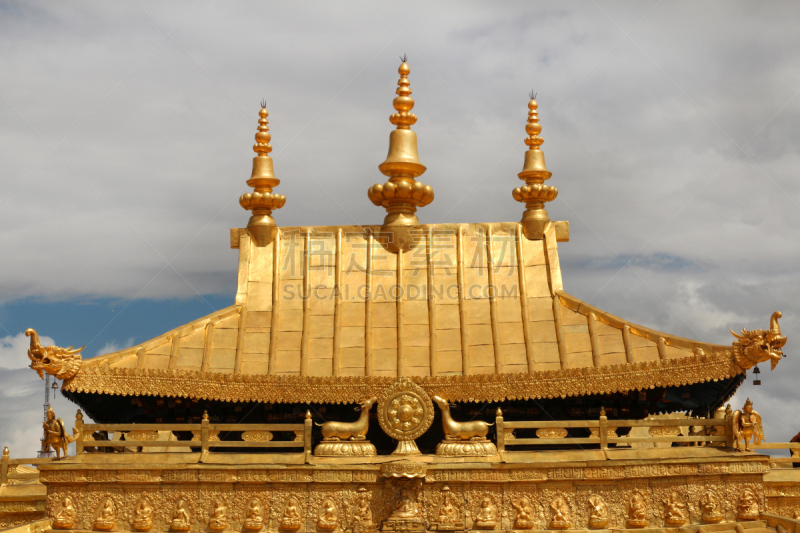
{"x": 534, "y": 193}
{"x": 402, "y": 194}
{"x": 262, "y": 201}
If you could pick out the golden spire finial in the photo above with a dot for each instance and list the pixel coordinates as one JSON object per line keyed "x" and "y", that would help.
{"x": 262, "y": 201}
{"x": 402, "y": 194}
{"x": 534, "y": 193}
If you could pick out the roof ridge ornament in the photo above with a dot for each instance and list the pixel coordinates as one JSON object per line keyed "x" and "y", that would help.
{"x": 262, "y": 201}
{"x": 402, "y": 194}
{"x": 534, "y": 193}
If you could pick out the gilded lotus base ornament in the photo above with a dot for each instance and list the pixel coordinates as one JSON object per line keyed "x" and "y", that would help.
{"x": 481, "y": 448}
{"x": 405, "y": 412}
{"x": 347, "y": 449}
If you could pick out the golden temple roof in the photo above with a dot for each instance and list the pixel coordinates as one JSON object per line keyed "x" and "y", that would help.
{"x": 471, "y": 312}
{"x": 291, "y": 337}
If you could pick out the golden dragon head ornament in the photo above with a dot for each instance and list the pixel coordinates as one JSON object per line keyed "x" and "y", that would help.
{"x": 63, "y": 363}
{"x": 758, "y": 345}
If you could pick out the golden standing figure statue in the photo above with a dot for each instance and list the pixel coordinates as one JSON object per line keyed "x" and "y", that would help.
{"x": 747, "y": 425}
{"x": 55, "y": 435}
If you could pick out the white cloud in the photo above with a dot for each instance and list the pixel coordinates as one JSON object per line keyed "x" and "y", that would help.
{"x": 114, "y": 346}
{"x": 14, "y": 350}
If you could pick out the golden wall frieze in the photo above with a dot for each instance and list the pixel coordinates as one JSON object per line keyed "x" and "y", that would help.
{"x": 551, "y": 433}
{"x": 351, "y": 389}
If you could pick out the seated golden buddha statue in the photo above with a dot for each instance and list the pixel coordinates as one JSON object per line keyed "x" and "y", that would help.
{"x": 291, "y": 519}
{"x": 67, "y": 516}
{"x": 218, "y": 518}
{"x": 253, "y": 517}
{"x": 487, "y": 515}
{"x": 180, "y": 518}
{"x": 675, "y": 510}
{"x": 561, "y": 514}
{"x": 107, "y": 517}
{"x": 143, "y": 516}
{"x": 328, "y": 515}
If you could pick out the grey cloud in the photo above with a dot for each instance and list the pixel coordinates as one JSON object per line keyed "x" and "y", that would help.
{"x": 674, "y": 146}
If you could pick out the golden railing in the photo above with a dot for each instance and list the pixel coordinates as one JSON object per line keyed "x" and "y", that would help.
{"x": 202, "y": 436}
{"x": 7, "y": 474}
{"x": 601, "y": 429}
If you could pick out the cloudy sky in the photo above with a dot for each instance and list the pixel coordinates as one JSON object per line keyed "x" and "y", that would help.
{"x": 671, "y": 130}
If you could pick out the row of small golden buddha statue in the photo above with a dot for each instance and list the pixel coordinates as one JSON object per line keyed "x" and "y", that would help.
{"x": 407, "y": 513}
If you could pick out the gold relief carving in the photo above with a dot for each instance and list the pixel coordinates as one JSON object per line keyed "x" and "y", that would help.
{"x": 253, "y": 519}
{"x": 326, "y": 508}
{"x": 560, "y": 512}
{"x": 292, "y": 517}
{"x": 347, "y": 389}
{"x": 445, "y": 508}
{"x": 328, "y": 515}
{"x": 359, "y": 511}
{"x": 218, "y": 516}
{"x": 405, "y": 412}
{"x": 595, "y": 433}
{"x": 747, "y": 425}
{"x": 747, "y": 505}
{"x": 779, "y": 491}
{"x": 105, "y": 518}
{"x": 750, "y": 467}
{"x": 524, "y": 518}
{"x": 657, "y": 470}
{"x": 217, "y": 476}
{"x": 609, "y": 472}
{"x": 7, "y": 522}
{"x": 711, "y": 507}
{"x": 598, "y": 512}
{"x": 332, "y": 476}
{"x": 22, "y": 507}
{"x": 664, "y": 431}
{"x": 490, "y": 475}
{"x": 63, "y": 363}
{"x": 62, "y": 476}
{"x": 213, "y": 436}
{"x": 290, "y": 509}
{"x": 139, "y": 476}
{"x": 180, "y": 509}
{"x": 257, "y": 436}
{"x": 241, "y": 505}
{"x": 365, "y": 476}
{"x": 404, "y": 470}
{"x": 758, "y": 346}
{"x": 483, "y": 505}
{"x": 179, "y": 476}
{"x": 528, "y": 475}
{"x": 253, "y": 476}
{"x": 101, "y": 476}
{"x": 406, "y": 506}
{"x": 522, "y": 508}
{"x": 565, "y": 473}
{"x": 66, "y": 515}
{"x": 141, "y": 518}
{"x": 181, "y": 518}
{"x": 551, "y": 433}
{"x": 140, "y": 434}
{"x": 290, "y": 476}
{"x": 637, "y": 510}
{"x": 451, "y": 475}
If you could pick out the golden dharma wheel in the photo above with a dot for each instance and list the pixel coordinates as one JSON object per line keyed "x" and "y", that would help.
{"x": 405, "y": 411}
